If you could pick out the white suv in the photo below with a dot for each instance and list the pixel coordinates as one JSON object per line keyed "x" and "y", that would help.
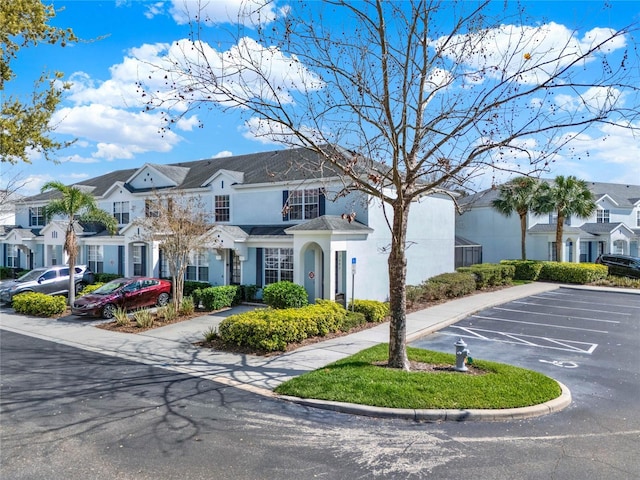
{"x": 50, "y": 280}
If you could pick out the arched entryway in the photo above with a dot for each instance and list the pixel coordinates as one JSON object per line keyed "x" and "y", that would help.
{"x": 312, "y": 258}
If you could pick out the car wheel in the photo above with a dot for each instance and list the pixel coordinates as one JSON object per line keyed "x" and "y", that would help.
{"x": 79, "y": 287}
{"x": 163, "y": 299}
{"x": 108, "y": 311}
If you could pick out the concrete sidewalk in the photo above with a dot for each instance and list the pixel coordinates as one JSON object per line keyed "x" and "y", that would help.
{"x": 172, "y": 347}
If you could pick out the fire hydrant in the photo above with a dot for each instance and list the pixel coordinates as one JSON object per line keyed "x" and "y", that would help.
{"x": 461, "y": 354}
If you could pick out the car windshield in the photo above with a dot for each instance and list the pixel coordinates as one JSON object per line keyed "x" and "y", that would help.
{"x": 110, "y": 287}
{"x": 31, "y": 276}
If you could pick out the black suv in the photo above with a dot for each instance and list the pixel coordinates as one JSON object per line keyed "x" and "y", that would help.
{"x": 621, "y": 265}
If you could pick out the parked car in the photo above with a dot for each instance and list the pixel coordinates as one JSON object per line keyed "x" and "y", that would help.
{"x": 126, "y": 293}
{"x": 621, "y": 265}
{"x": 50, "y": 280}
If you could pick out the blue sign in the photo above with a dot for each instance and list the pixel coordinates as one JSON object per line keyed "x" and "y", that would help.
{"x": 353, "y": 261}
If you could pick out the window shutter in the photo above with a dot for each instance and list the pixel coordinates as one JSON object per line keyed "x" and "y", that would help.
{"x": 4, "y": 253}
{"x": 259, "y": 267}
{"x": 285, "y": 212}
{"x": 144, "y": 260}
{"x": 321, "y": 203}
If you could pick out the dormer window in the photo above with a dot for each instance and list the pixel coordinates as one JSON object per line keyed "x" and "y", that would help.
{"x": 602, "y": 216}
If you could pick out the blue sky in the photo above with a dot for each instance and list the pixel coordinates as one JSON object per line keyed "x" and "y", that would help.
{"x": 105, "y": 114}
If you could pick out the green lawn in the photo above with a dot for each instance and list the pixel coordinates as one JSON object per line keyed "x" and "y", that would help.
{"x": 357, "y": 380}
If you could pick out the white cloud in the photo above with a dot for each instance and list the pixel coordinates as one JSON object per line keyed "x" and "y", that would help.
{"x": 223, "y": 154}
{"x": 240, "y": 12}
{"x": 119, "y": 133}
{"x": 594, "y": 99}
{"x": 529, "y": 54}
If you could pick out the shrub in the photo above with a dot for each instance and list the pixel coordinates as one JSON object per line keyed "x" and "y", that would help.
{"x": 568, "y": 272}
{"x": 374, "y": 311}
{"x": 144, "y": 318}
{"x": 188, "y": 306}
{"x": 216, "y": 298}
{"x": 6, "y": 272}
{"x": 249, "y": 292}
{"x": 457, "y": 284}
{"x": 210, "y": 334}
{"x": 285, "y": 295}
{"x": 167, "y": 313}
{"x": 90, "y": 288}
{"x": 269, "y": 329}
{"x": 121, "y": 316}
{"x": 190, "y": 286}
{"x": 106, "y": 277}
{"x": 351, "y": 320}
{"x": 39, "y": 304}
{"x": 525, "y": 269}
{"x": 490, "y": 274}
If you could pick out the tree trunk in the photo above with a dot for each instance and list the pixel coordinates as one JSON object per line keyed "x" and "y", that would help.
{"x": 523, "y": 236}
{"x": 72, "y": 250}
{"x": 559, "y": 230}
{"x": 397, "y": 289}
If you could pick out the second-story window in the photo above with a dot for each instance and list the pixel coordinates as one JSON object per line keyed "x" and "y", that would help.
{"x": 602, "y": 216}
{"x": 121, "y": 212}
{"x": 36, "y": 217}
{"x": 304, "y": 204}
{"x": 222, "y": 208}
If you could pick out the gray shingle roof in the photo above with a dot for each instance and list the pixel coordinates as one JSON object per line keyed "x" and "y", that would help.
{"x": 330, "y": 223}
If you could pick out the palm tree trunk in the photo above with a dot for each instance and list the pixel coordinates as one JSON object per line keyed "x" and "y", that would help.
{"x": 559, "y": 231}
{"x": 523, "y": 236}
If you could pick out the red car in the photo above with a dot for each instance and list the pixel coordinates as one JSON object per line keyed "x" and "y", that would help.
{"x": 128, "y": 293}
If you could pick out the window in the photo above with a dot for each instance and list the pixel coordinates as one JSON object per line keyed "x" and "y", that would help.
{"x": 12, "y": 257}
{"x": 552, "y": 252}
{"x": 602, "y": 216}
{"x": 553, "y": 218}
{"x": 151, "y": 209}
{"x": 198, "y": 268}
{"x": 304, "y": 204}
{"x": 236, "y": 269}
{"x": 138, "y": 260}
{"x": 222, "y": 208}
{"x": 278, "y": 265}
{"x": 121, "y": 212}
{"x": 36, "y": 216}
{"x": 95, "y": 260}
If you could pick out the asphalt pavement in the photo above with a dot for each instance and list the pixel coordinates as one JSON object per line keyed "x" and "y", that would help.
{"x": 173, "y": 347}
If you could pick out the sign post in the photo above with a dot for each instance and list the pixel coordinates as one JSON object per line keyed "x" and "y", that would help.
{"x": 353, "y": 280}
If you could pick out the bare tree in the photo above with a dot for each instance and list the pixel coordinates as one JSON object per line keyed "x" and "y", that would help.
{"x": 422, "y": 95}
{"x": 179, "y": 223}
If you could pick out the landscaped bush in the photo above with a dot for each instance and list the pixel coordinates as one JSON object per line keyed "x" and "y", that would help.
{"x": 269, "y": 329}
{"x": 490, "y": 274}
{"x": 39, "y": 304}
{"x": 106, "y": 277}
{"x": 525, "y": 269}
{"x": 374, "y": 311}
{"x": 144, "y": 318}
{"x": 188, "y": 306}
{"x": 249, "y": 292}
{"x": 457, "y": 284}
{"x": 285, "y": 295}
{"x": 215, "y": 298}
{"x": 352, "y": 320}
{"x": 90, "y": 288}
{"x": 6, "y": 272}
{"x": 568, "y": 272}
{"x": 190, "y": 286}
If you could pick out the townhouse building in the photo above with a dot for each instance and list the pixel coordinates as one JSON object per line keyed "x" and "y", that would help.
{"x": 272, "y": 220}
{"x": 613, "y": 228}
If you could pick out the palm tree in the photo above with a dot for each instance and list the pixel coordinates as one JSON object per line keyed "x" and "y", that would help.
{"x": 518, "y": 195}
{"x": 566, "y": 196}
{"x": 74, "y": 204}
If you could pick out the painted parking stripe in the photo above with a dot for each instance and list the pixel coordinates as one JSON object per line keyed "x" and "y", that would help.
{"x": 588, "y": 302}
{"x": 565, "y": 327}
{"x": 528, "y": 340}
{"x": 554, "y": 315}
{"x": 608, "y": 312}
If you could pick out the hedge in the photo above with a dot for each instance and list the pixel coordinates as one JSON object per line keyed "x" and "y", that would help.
{"x": 216, "y": 298}
{"x": 285, "y": 295}
{"x": 39, "y": 304}
{"x": 269, "y": 329}
{"x": 374, "y": 311}
{"x": 456, "y": 284}
{"x": 525, "y": 269}
{"x": 568, "y": 272}
{"x": 490, "y": 274}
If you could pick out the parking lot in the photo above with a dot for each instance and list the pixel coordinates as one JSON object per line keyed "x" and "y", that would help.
{"x": 587, "y": 339}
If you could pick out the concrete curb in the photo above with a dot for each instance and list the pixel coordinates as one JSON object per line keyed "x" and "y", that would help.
{"x": 440, "y": 415}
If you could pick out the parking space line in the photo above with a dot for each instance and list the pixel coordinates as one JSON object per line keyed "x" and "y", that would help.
{"x": 572, "y": 308}
{"x": 542, "y": 324}
{"x": 555, "y": 315}
{"x": 566, "y": 345}
{"x": 588, "y": 302}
